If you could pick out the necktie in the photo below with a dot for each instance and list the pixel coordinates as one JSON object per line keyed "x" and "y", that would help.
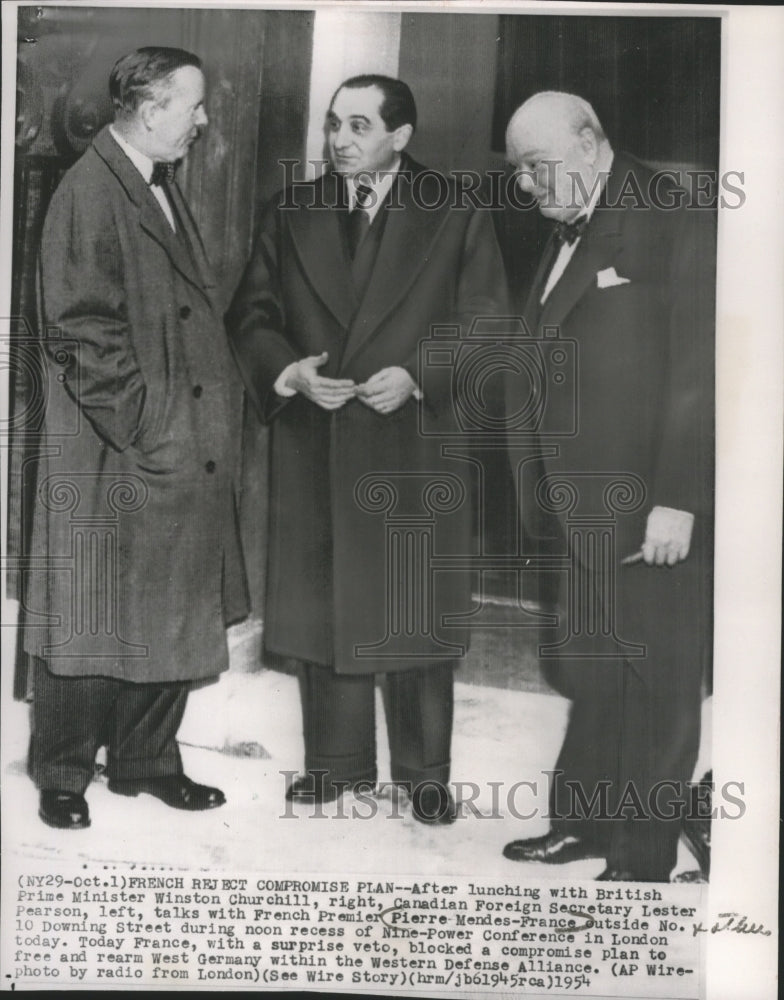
{"x": 569, "y": 232}
{"x": 163, "y": 173}
{"x": 358, "y": 220}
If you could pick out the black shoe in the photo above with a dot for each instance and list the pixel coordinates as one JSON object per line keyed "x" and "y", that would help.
{"x": 552, "y": 849}
{"x": 625, "y": 875}
{"x": 176, "y": 790}
{"x": 314, "y": 787}
{"x": 433, "y": 803}
{"x": 63, "y": 810}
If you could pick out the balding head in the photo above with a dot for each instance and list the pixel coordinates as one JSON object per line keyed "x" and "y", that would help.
{"x": 552, "y": 112}
{"x": 558, "y": 146}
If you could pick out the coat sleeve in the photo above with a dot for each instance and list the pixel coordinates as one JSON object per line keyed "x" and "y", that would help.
{"x": 82, "y": 293}
{"x": 481, "y": 294}
{"x": 255, "y": 320}
{"x": 684, "y": 472}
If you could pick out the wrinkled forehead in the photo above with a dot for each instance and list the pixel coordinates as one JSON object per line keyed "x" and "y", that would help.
{"x": 357, "y": 102}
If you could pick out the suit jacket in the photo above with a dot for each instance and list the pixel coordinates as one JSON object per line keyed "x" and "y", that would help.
{"x": 351, "y": 497}
{"x": 135, "y": 516}
{"x": 638, "y": 398}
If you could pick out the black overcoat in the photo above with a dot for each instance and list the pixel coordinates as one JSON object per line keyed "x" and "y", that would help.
{"x": 361, "y": 502}
{"x": 634, "y": 314}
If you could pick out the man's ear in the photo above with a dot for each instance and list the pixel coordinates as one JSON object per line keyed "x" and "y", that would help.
{"x": 589, "y": 144}
{"x": 402, "y": 136}
{"x": 147, "y": 112}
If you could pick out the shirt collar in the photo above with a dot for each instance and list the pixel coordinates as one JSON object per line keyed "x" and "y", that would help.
{"x": 379, "y": 184}
{"x": 141, "y": 161}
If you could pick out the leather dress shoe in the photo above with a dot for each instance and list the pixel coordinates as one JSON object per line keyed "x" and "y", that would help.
{"x": 176, "y": 790}
{"x": 552, "y": 849}
{"x": 63, "y": 810}
{"x": 625, "y": 875}
{"x": 314, "y": 787}
{"x": 433, "y": 803}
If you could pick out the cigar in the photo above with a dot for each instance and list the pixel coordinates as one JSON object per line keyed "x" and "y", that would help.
{"x": 635, "y": 557}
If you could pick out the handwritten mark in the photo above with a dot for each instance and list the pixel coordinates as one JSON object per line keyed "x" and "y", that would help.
{"x": 734, "y": 923}
{"x": 390, "y": 909}
{"x": 589, "y": 922}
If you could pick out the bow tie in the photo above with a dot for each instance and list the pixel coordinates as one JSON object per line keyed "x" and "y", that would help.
{"x": 163, "y": 172}
{"x": 569, "y": 232}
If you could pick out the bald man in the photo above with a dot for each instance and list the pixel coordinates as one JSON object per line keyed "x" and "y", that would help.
{"x": 628, "y": 276}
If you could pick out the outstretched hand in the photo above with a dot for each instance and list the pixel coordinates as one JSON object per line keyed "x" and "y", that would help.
{"x": 328, "y": 393}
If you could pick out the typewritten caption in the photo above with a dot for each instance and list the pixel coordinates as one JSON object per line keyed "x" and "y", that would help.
{"x": 129, "y": 927}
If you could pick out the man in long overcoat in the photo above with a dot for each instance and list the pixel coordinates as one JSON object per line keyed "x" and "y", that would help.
{"x": 625, "y": 488}
{"x": 135, "y": 508}
{"x": 348, "y": 275}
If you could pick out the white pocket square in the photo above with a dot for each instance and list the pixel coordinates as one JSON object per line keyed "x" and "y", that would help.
{"x": 609, "y": 278}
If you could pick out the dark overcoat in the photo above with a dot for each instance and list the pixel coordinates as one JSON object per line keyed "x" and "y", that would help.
{"x": 360, "y": 502}
{"x": 137, "y": 566}
{"x": 634, "y": 310}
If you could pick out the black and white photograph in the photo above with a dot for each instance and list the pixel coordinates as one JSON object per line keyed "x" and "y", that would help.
{"x": 392, "y": 462}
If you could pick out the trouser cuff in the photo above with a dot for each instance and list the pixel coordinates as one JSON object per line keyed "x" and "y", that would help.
{"x": 322, "y": 774}
{"x": 129, "y": 769}
{"x": 61, "y": 779}
{"x": 412, "y": 776}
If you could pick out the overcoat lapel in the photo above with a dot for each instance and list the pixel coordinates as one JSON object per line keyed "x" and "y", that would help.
{"x": 600, "y": 244}
{"x": 194, "y": 241}
{"x": 411, "y": 229}
{"x": 151, "y": 217}
{"x": 531, "y": 308}
{"x": 598, "y": 247}
{"x": 409, "y": 233}
{"x": 319, "y": 243}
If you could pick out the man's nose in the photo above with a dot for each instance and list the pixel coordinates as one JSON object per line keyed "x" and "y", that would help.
{"x": 344, "y": 136}
{"x": 525, "y": 182}
{"x": 201, "y": 117}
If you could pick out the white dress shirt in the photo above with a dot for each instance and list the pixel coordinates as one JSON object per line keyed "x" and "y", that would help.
{"x": 566, "y": 252}
{"x": 145, "y": 165}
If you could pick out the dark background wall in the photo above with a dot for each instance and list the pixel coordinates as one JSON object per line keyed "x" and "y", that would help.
{"x": 653, "y": 81}
{"x": 450, "y": 64}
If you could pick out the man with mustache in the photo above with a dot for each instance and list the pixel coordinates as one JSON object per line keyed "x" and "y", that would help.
{"x": 135, "y": 512}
